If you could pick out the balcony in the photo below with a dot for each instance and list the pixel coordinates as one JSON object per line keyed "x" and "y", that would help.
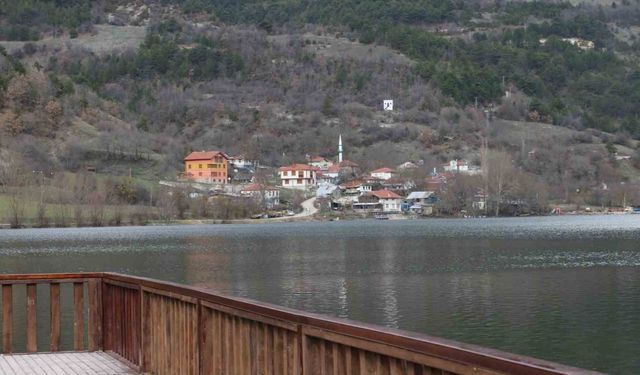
{"x": 137, "y": 325}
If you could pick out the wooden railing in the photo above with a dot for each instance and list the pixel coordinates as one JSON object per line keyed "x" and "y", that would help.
{"x": 167, "y": 328}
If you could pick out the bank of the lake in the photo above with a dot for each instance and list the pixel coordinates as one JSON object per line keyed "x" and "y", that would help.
{"x": 558, "y": 288}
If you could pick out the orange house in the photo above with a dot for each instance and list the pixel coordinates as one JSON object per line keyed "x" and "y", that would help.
{"x": 207, "y": 166}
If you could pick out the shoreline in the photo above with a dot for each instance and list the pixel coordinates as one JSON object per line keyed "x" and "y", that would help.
{"x": 293, "y": 219}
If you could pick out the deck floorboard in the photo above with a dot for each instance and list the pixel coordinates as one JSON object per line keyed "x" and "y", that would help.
{"x": 68, "y": 363}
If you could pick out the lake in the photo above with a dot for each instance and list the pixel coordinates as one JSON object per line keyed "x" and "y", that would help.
{"x": 565, "y": 289}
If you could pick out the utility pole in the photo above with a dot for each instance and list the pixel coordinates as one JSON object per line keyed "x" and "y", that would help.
{"x": 485, "y": 159}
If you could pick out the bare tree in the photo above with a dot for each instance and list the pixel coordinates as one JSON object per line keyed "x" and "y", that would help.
{"x": 500, "y": 173}
{"x": 14, "y": 184}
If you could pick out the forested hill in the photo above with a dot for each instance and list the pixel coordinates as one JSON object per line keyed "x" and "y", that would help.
{"x": 134, "y": 85}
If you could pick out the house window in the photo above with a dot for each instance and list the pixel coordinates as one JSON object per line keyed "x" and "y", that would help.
{"x": 299, "y": 181}
{"x": 189, "y": 166}
{"x": 286, "y": 182}
{"x": 210, "y": 166}
{"x": 300, "y": 174}
{"x": 199, "y": 173}
{"x": 199, "y": 166}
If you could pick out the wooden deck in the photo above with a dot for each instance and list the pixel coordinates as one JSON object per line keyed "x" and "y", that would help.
{"x": 164, "y": 328}
{"x": 72, "y": 363}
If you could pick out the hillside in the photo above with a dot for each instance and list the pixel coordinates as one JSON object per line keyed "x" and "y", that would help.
{"x": 128, "y": 88}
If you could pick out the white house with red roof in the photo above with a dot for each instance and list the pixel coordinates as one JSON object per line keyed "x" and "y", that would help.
{"x": 298, "y": 176}
{"x": 383, "y": 173}
{"x": 391, "y": 202}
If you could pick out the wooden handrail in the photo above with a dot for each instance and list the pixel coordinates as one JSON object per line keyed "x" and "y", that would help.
{"x": 169, "y": 328}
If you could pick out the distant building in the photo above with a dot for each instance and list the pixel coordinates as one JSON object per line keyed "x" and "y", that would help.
{"x": 383, "y": 173}
{"x": 456, "y": 166}
{"x": 461, "y": 166}
{"x": 240, "y": 162}
{"x": 207, "y": 166}
{"x": 326, "y": 190}
{"x": 320, "y": 162}
{"x": 438, "y": 182}
{"x": 420, "y": 202}
{"x": 390, "y": 201}
{"x": 583, "y": 44}
{"x": 410, "y": 165}
{"x": 359, "y": 186}
{"x": 348, "y": 169}
{"x": 298, "y": 176}
{"x": 263, "y": 193}
{"x": 326, "y": 178}
{"x": 399, "y": 185}
{"x": 479, "y": 200}
{"x": 241, "y": 176}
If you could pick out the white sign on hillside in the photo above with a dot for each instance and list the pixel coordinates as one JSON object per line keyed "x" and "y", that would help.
{"x": 387, "y": 105}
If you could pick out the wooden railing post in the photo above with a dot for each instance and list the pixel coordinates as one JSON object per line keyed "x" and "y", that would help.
{"x": 144, "y": 331}
{"x": 32, "y": 325}
{"x": 7, "y": 318}
{"x": 54, "y": 292}
{"x": 95, "y": 315}
{"x": 78, "y": 316}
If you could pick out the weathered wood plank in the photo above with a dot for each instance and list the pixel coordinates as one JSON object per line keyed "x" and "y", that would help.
{"x": 32, "y": 327}
{"x": 95, "y": 315}
{"x": 63, "y": 364}
{"x": 7, "y": 318}
{"x": 54, "y": 301}
{"x": 78, "y": 316}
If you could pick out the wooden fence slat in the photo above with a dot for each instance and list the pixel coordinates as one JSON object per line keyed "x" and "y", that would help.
{"x": 78, "y": 316}
{"x": 7, "y": 318}
{"x": 32, "y": 325}
{"x": 95, "y": 315}
{"x": 54, "y": 293}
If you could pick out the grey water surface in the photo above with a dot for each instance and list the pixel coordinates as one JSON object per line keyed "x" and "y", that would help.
{"x": 565, "y": 289}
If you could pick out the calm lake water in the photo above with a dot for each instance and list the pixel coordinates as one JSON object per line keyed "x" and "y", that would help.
{"x": 566, "y": 289}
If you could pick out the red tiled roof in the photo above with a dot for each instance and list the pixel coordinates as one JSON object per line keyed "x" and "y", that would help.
{"x": 383, "y": 170}
{"x": 298, "y": 167}
{"x": 334, "y": 168}
{"x": 385, "y": 194}
{"x": 205, "y": 155}
{"x": 352, "y": 184}
{"x": 318, "y": 158}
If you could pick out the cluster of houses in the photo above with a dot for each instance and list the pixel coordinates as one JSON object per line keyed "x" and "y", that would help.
{"x": 221, "y": 174}
{"x": 342, "y": 184}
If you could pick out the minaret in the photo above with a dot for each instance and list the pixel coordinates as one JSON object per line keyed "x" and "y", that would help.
{"x": 340, "y": 149}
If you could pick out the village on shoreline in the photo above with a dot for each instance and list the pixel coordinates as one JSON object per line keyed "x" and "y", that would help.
{"x": 216, "y": 188}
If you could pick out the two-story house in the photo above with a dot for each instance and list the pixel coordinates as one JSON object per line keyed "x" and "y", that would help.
{"x": 298, "y": 176}
{"x": 390, "y": 201}
{"x": 207, "y": 166}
